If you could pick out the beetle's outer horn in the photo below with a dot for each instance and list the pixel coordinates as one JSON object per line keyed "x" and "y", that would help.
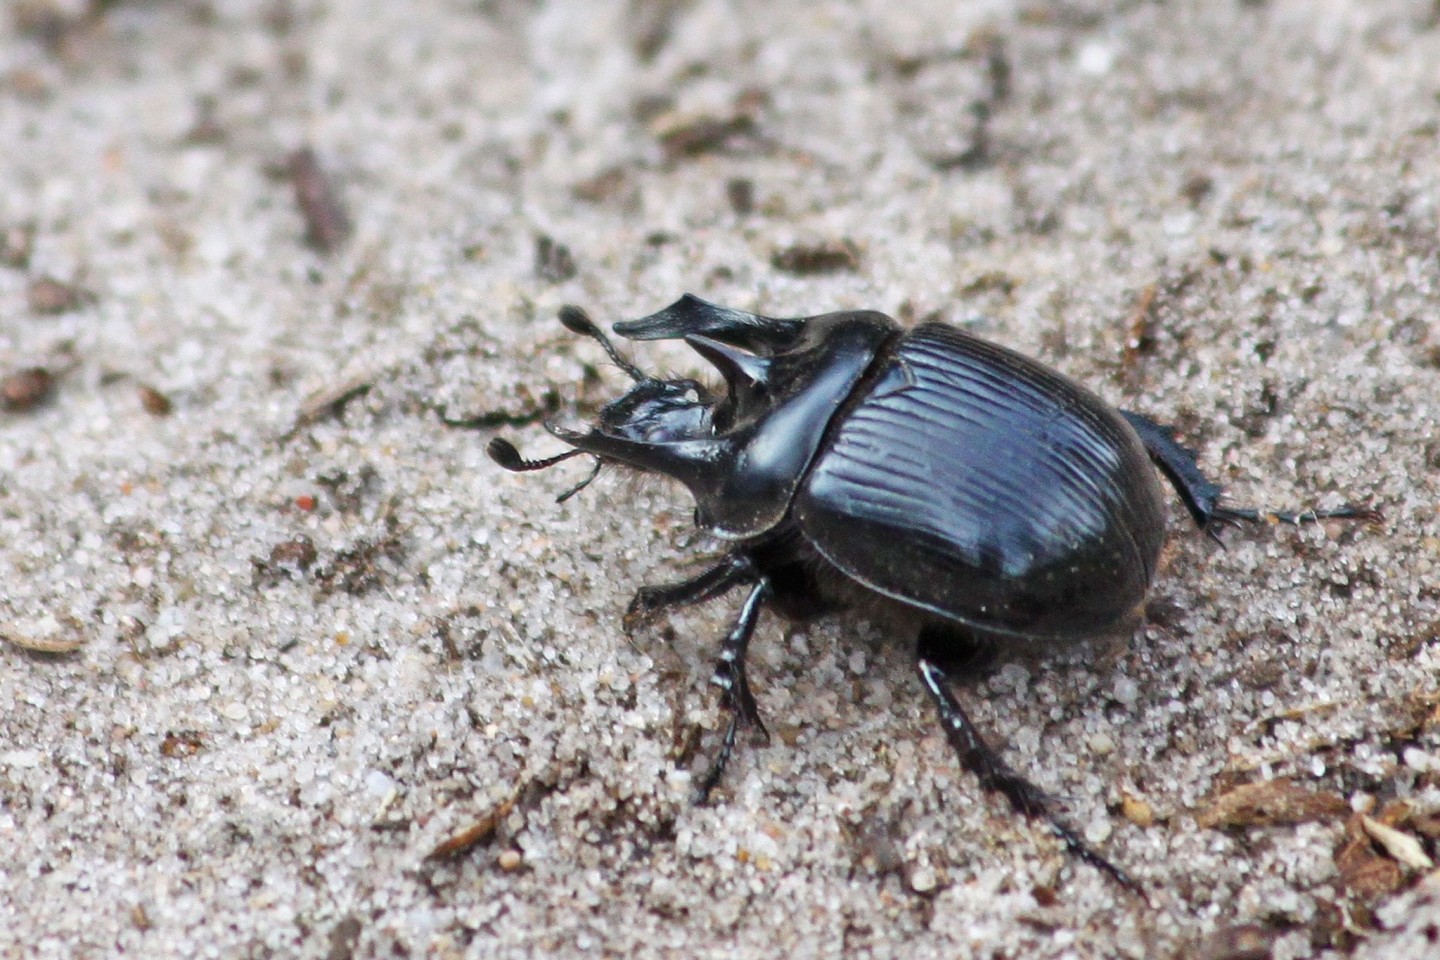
{"x": 691, "y": 315}
{"x": 692, "y": 462}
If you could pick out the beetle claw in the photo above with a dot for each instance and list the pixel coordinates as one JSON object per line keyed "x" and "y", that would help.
{"x": 640, "y": 611}
{"x": 711, "y": 780}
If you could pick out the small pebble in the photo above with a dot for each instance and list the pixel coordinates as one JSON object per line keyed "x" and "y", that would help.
{"x": 1098, "y": 830}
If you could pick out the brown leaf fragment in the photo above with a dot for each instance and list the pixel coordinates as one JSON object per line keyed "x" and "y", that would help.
{"x": 829, "y": 256}
{"x": 1140, "y": 328}
{"x": 1402, "y": 847}
{"x": 1270, "y": 803}
{"x": 695, "y": 136}
{"x": 481, "y": 831}
{"x": 327, "y": 223}
{"x": 1426, "y": 823}
{"x": 50, "y": 645}
{"x": 182, "y": 744}
{"x": 1365, "y": 873}
{"x": 26, "y": 389}
{"x": 609, "y": 184}
{"x": 155, "y": 403}
{"x": 683, "y": 136}
{"x": 47, "y": 295}
{"x": 1368, "y": 877}
{"x": 1246, "y": 941}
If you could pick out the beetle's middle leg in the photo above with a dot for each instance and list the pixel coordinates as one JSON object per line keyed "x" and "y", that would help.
{"x": 731, "y": 678}
{"x": 1202, "y": 497}
{"x": 994, "y": 773}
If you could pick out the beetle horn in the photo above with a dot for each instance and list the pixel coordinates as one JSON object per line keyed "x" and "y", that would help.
{"x": 578, "y": 321}
{"x": 691, "y": 315}
{"x": 692, "y": 462}
{"x": 740, "y": 369}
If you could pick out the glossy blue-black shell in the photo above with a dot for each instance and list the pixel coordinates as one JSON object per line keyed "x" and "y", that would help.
{"x": 975, "y": 484}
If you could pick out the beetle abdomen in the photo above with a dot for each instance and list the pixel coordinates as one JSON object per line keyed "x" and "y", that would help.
{"x": 974, "y": 483}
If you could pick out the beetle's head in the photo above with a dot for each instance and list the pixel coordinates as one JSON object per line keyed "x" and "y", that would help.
{"x": 655, "y": 426}
{"x": 743, "y": 450}
{"x": 657, "y": 412}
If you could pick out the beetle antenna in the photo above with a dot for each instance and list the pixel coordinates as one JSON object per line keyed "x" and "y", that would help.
{"x": 504, "y": 453}
{"x": 578, "y": 321}
{"x": 594, "y": 472}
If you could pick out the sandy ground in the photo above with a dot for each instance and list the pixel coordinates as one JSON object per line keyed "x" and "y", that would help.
{"x": 293, "y": 669}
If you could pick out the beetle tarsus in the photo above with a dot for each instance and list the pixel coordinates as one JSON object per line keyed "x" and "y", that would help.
{"x": 712, "y": 776}
{"x": 998, "y": 776}
{"x": 1201, "y": 497}
{"x": 736, "y": 697}
{"x": 1081, "y": 850}
{"x": 1237, "y": 515}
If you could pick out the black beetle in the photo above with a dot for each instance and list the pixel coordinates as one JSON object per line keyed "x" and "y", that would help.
{"x": 995, "y": 500}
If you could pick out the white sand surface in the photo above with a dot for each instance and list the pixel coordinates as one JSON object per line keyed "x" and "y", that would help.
{"x": 297, "y": 645}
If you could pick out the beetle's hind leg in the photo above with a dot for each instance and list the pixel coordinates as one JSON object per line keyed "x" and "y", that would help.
{"x": 731, "y": 678}
{"x": 995, "y": 774}
{"x": 1202, "y": 497}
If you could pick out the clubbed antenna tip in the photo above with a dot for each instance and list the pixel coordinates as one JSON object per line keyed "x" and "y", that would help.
{"x": 504, "y": 453}
{"x": 578, "y": 321}
{"x": 507, "y": 456}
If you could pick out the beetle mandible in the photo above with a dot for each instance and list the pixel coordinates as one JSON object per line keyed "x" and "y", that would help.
{"x": 993, "y": 499}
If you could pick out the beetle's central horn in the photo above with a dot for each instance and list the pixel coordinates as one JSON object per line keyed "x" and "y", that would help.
{"x": 691, "y": 315}
{"x": 740, "y": 369}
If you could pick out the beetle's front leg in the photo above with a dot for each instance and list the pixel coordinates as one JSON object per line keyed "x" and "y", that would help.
{"x": 731, "y": 678}
{"x": 733, "y": 570}
{"x": 1202, "y": 497}
{"x": 995, "y": 774}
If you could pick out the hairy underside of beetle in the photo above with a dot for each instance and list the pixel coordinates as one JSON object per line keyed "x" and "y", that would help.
{"x": 807, "y": 586}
